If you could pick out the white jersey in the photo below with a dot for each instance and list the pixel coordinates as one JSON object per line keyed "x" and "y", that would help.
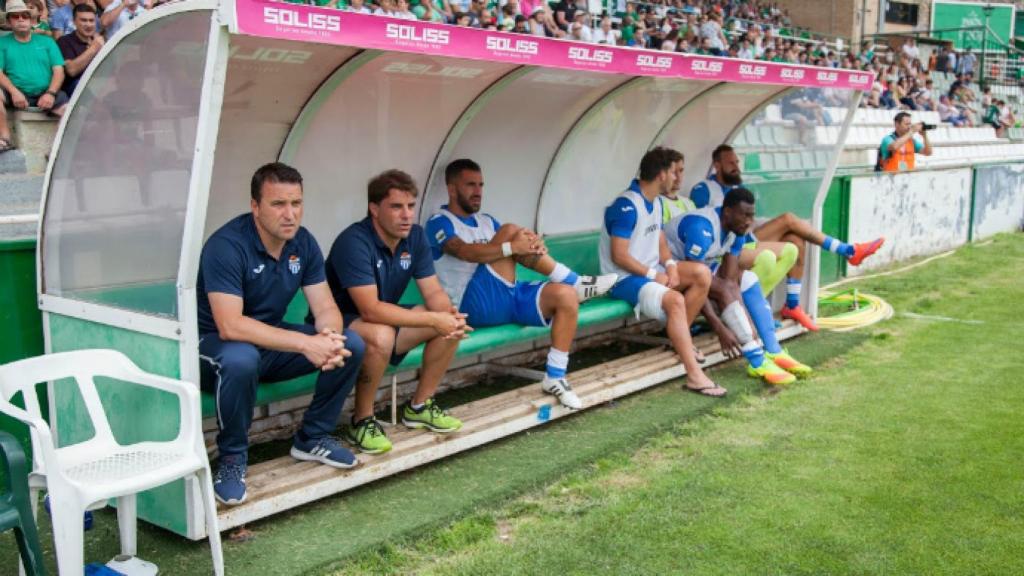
{"x": 453, "y": 273}
{"x": 703, "y": 249}
{"x": 712, "y": 190}
{"x": 645, "y": 240}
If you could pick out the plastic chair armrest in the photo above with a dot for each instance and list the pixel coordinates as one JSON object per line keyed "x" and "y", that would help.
{"x": 17, "y": 468}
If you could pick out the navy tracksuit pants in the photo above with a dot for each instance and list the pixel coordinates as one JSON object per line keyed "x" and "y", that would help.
{"x": 232, "y": 372}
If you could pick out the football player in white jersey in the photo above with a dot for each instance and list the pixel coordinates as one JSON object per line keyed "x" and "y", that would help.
{"x": 634, "y": 247}
{"x": 715, "y": 237}
{"x": 475, "y": 258}
{"x": 779, "y": 235}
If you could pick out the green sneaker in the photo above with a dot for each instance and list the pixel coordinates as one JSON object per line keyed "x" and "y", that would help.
{"x": 368, "y": 436}
{"x": 431, "y": 416}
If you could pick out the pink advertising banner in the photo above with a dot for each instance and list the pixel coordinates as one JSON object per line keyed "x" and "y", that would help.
{"x": 330, "y": 26}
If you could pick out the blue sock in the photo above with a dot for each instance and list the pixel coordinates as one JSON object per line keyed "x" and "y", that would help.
{"x": 792, "y": 292}
{"x": 761, "y": 313}
{"x": 571, "y": 279}
{"x": 558, "y": 362}
{"x": 754, "y": 353}
{"x": 841, "y": 248}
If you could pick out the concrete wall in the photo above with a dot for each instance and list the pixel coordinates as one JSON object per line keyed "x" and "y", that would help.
{"x": 998, "y": 199}
{"x": 919, "y": 213}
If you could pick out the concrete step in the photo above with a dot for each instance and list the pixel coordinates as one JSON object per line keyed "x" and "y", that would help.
{"x": 17, "y": 231}
{"x": 18, "y": 190}
{"x": 12, "y": 162}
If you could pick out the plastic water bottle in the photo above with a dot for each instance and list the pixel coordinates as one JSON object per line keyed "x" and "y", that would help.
{"x": 95, "y": 569}
{"x": 132, "y": 566}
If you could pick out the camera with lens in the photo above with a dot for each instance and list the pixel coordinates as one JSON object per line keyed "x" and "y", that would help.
{"x": 928, "y": 126}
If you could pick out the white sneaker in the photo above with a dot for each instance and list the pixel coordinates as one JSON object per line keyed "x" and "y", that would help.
{"x": 588, "y": 287}
{"x": 559, "y": 388}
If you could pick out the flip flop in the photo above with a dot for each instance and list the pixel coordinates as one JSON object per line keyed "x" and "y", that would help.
{"x": 710, "y": 391}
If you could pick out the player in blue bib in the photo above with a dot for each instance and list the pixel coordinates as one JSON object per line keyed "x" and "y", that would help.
{"x": 784, "y": 237}
{"x": 634, "y": 247}
{"x": 715, "y": 237}
{"x": 476, "y": 258}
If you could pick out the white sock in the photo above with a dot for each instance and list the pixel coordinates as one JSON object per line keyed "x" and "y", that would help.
{"x": 558, "y": 362}
{"x": 560, "y": 273}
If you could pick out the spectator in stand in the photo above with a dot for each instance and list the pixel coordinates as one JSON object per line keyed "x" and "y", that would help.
{"x": 925, "y": 97}
{"x": 991, "y": 116}
{"x": 120, "y": 12}
{"x": 80, "y": 47}
{"x": 949, "y": 113}
{"x": 967, "y": 63}
{"x": 1007, "y": 119}
{"x": 40, "y": 17}
{"x": 581, "y": 26}
{"x": 358, "y": 6}
{"x": 951, "y": 61}
{"x": 62, "y": 20}
{"x": 605, "y": 33}
{"x": 520, "y": 26}
{"x": 402, "y": 11}
{"x": 31, "y": 69}
{"x": 746, "y": 49}
{"x": 712, "y": 30}
{"x": 910, "y": 49}
{"x": 565, "y": 12}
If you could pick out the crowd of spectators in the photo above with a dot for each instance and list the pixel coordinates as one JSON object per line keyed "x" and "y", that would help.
{"x": 49, "y": 45}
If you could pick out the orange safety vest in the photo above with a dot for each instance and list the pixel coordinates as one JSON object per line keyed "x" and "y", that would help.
{"x": 900, "y": 160}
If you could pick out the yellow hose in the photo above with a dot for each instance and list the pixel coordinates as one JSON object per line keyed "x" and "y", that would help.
{"x": 866, "y": 310}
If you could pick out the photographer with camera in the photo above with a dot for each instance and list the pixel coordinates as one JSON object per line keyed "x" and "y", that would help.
{"x": 896, "y": 153}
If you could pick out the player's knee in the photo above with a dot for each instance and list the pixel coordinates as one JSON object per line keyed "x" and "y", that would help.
{"x": 354, "y": 343}
{"x": 507, "y": 231}
{"x": 240, "y": 359}
{"x": 565, "y": 296}
{"x": 673, "y": 303}
{"x": 378, "y": 339}
{"x": 703, "y": 278}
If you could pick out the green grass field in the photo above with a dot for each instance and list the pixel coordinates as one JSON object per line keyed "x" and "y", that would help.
{"x": 902, "y": 455}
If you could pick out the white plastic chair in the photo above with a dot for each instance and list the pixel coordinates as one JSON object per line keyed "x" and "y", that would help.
{"x": 81, "y": 476}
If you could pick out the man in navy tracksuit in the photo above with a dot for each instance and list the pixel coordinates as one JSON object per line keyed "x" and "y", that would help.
{"x": 249, "y": 271}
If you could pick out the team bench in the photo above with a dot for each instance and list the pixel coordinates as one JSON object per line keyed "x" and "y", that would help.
{"x": 578, "y": 251}
{"x": 284, "y": 483}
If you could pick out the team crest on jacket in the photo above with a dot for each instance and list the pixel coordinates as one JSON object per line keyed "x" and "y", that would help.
{"x": 405, "y": 260}
{"x": 294, "y": 264}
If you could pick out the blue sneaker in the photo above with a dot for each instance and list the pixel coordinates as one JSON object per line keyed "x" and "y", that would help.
{"x": 229, "y": 482}
{"x": 325, "y": 450}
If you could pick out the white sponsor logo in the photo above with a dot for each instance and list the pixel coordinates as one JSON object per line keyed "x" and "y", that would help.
{"x": 309, "y": 21}
{"x": 649, "y": 61}
{"x": 753, "y": 70}
{"x": 259, "y": 268}
{"x": 589, "y": 55}
{"x": 828, "y": 76}
{"x": 432, "y": 70}
{"x": 859, "y": 78}
{"x": 695, "y": 250}
{"x": 566, "y": 79}
{"x": 499, "y": 44}
{"x": 706, "y": 233}
{"x": 627, "y": 208}
{"x": 792, "y": 74}
{"x": 414, "y": 34}
{"x": 272, "y": 55}
{"x": 706, "y": 66}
